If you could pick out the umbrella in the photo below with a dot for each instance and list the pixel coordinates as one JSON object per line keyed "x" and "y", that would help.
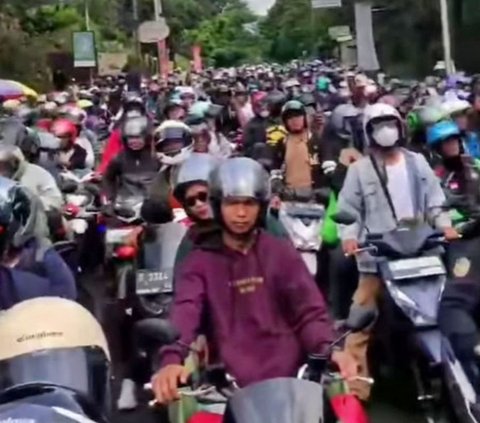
{"x": 12, "y": 90}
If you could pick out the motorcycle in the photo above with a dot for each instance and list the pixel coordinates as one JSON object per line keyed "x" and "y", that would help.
{"x": 153, "y": 288}
{"x": 120, "y": 243}
{"x": 409, "y": 261}
{"x": 302, "y": 214}
{"x": 54, "y": 362}
{"x": 82, "y": 213}
{"x": 299, "y": 400}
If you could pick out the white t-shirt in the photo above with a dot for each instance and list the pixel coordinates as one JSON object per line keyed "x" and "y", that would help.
{"x": 398, "y": 185}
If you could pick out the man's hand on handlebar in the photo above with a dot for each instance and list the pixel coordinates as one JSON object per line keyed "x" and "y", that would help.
{"x": 451, "y": 234}
{"x": 350, "y": 247}
{"x": 346, "y": 363}
{"x": 166, "y": 381}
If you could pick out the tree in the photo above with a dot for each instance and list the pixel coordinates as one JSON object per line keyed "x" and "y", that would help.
{"x": 224, "y": 39}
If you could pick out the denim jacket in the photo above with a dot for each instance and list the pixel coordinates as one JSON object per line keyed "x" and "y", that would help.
{"x": 362, "y": 196}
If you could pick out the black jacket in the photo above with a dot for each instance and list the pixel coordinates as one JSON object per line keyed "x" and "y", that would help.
{"x": 130, "y": 174}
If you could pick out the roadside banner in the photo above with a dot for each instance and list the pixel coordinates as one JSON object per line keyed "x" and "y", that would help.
{"x": 163, "y": 59}
{"x": 325, "y": 4}
{"x": 197, "y": 58}
{"x": 84, "y": 50}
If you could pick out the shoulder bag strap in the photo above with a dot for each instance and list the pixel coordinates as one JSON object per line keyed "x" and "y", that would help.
{"x": 383, "y": 184}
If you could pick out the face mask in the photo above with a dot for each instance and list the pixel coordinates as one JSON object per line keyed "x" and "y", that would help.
{"x": 175, "y": 160}
{"x": 386, "y": 134}
{"x": 264, "y": 113}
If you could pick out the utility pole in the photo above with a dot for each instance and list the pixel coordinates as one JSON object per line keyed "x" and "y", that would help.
{"x": 136, "y": 19}
{"x": 157, "y": 6}
{"x": 447, "y": 47}
{"x": 87, "y": 16}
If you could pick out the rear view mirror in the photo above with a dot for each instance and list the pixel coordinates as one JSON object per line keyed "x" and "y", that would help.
{"x": 68, "y": 186}
{"x": 344, "y": 218}
{"x": 158, "y": 330}
{"x": 360, "y": 318}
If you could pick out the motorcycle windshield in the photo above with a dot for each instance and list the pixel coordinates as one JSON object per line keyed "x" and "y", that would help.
{"x": 283, "y": 400}
{"x": 84, "y": 370}
{"x": 161, "y": 245}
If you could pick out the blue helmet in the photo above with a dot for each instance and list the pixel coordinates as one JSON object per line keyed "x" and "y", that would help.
{"x": 441, "y": 131}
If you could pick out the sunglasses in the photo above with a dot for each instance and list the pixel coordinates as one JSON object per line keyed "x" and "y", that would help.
{"x": 192, "y": 201}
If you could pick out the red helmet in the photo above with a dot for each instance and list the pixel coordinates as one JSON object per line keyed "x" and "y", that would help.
{"x": 64, "y": 128}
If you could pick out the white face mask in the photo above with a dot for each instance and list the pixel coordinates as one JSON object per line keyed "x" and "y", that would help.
{"x": 386, "y": 134}
{"x": 264, "y": 114}
{"x": 175, "y": 160}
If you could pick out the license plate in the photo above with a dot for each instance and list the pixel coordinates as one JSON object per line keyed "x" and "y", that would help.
{"x": 150, "y": 282}
{"x": 416, "y": 267}
{"x": 117, "y": 236}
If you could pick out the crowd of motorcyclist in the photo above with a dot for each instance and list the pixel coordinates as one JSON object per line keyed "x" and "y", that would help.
{"x": 390, "y": 152}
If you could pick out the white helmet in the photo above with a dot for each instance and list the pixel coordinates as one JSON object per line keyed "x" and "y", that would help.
{"x": 453, "y": 106}
{"x": 377, "y": 125}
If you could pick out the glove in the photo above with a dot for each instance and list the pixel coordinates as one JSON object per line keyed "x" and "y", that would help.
{"x": 329, "y": 167}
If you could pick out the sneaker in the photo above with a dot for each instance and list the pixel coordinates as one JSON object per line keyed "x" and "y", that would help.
{"x": 128, "y": 398}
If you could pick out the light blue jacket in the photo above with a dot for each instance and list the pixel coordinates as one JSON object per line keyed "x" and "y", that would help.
{"x": 362, "y": 196}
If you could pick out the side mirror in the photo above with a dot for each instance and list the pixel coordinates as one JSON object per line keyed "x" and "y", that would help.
{"x": 158, "y": 330}
{"x": 360, "y": 318}
{"x": 344, "y": 218}
{"x": 68, "y": 186}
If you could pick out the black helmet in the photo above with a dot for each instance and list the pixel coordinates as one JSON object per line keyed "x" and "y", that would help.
{"x": 15, "y": 212}
{"x": 275, "y": 100}
{"x": 133, "y": 101}
{"x": 136, "y": 133}
{"x": 240, "y": 177}
{"x": 307, "y": 99}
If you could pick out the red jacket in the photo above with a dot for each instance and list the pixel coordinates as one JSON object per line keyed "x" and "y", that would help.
{"x": 113, "y": 147}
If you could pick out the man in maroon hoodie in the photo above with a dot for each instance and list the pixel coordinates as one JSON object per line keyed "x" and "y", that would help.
{"x": 248, "y": 291}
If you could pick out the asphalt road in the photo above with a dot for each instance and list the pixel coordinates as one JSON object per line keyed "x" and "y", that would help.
{"x": 392, "y": 397}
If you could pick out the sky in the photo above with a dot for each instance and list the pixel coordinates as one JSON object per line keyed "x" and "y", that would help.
{"x": 260, "y": 6}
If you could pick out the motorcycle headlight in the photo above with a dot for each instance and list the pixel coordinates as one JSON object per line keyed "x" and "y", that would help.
{"x": 78, "y": 200}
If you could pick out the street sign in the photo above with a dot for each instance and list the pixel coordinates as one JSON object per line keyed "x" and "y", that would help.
{"x": 344, "y": 39}
{"x": 325, "y": 4}
{"x": 153, "y": 31}
{"x": 84, "y": 50}
{"x": 339, "y": 31}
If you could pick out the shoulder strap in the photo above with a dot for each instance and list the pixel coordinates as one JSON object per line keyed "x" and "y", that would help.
{"x": 383, "y": 184}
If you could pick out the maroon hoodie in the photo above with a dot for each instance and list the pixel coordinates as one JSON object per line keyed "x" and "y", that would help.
{"x": 262, "y": 311}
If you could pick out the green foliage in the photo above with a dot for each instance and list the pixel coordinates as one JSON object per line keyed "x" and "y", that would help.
{"x": 292, "y": 27}
{"x": 224, "y": 40}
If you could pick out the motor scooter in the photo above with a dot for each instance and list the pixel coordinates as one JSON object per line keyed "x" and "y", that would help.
{"x": 409, "y": 261}
{"x": 290, "y": 400}
{"x": 302, "y": 214}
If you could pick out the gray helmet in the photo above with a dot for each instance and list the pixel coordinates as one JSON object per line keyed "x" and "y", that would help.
{"x": 240, "y": 177}
{"x": 340, "y": 118}
{"x": 196, "y": 168}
